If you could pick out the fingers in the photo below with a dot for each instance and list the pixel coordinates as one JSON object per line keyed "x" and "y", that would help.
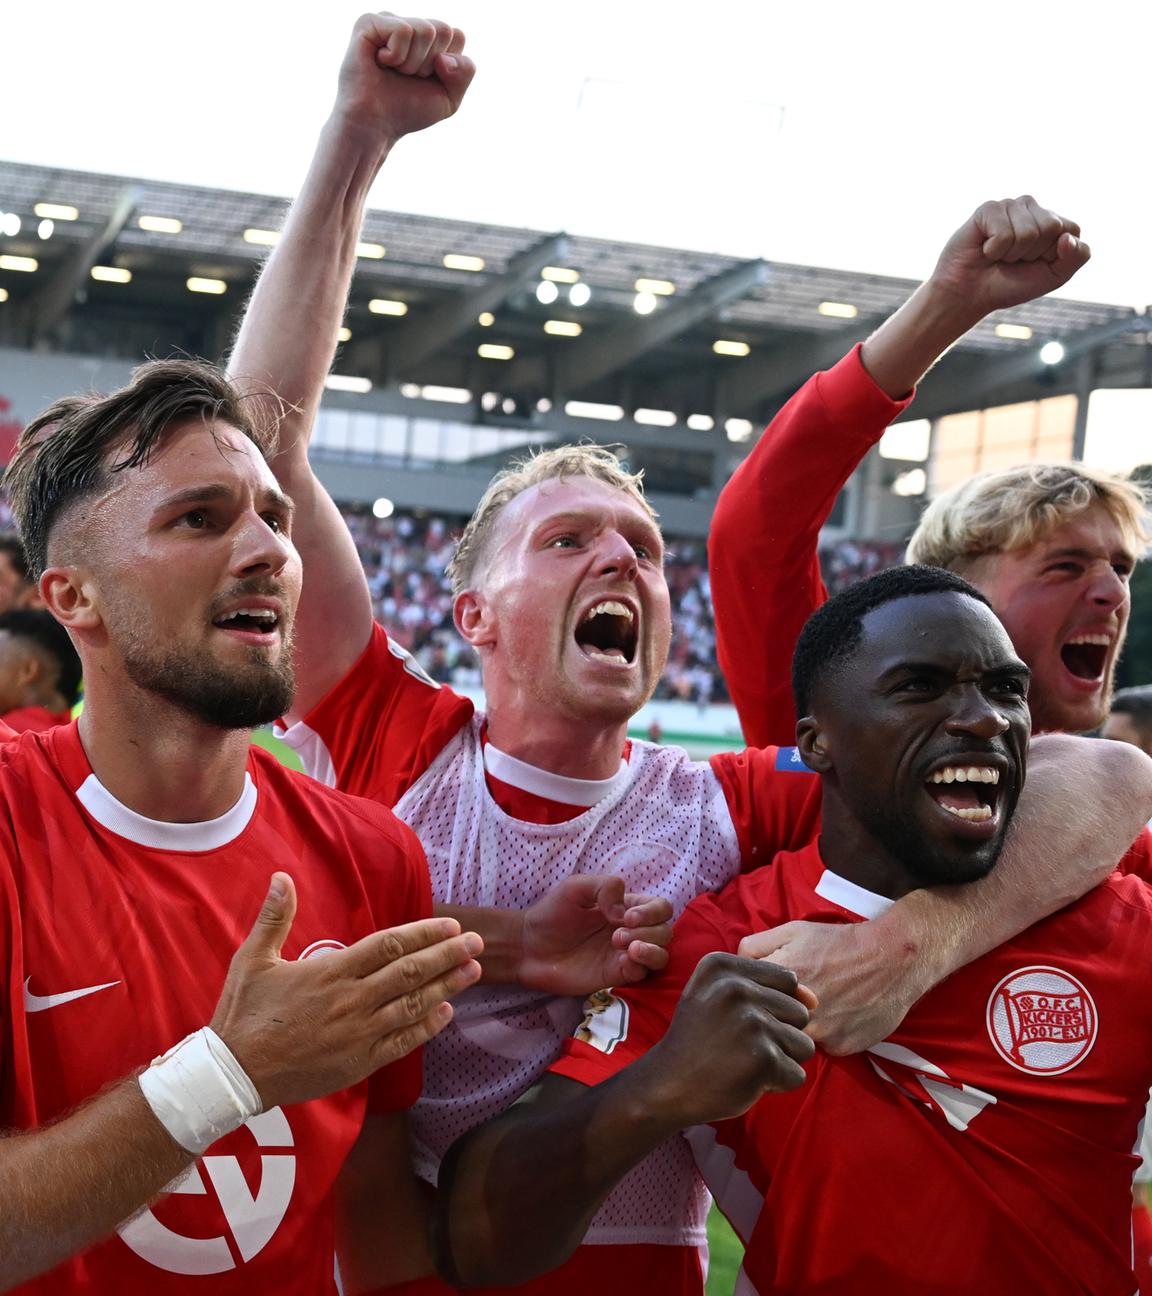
{"x": 455, "y": 73}
{"x": 767, "y": 944}
{"x": 415, "y": 971}
{"x": 392, "y": 1047}
{"x": 273, "y": 922}
{"x": 414, "y": 1005}
{"x": 638, "y": 959}
{"x": 646, "y": 911}
{"x": 1020, "y": 230}
{"x": 610, "y": 898}
{"x": 382, "y": 948}
{"x": 411, "y": 46}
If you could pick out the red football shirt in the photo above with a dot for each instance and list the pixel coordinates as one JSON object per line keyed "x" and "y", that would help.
{"x": 986, "y": 1146}
{"x": 37, "y": 718}
{"x": 116, "y": 933}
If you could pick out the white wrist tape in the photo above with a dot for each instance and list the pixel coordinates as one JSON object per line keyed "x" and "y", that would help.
{"x": 199, "y": 1092}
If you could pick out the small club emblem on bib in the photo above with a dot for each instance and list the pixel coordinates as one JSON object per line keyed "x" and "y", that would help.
{"x": 1042, "y": 1020}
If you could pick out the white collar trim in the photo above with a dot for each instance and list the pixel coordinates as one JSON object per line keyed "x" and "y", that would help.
{"x": 210, "y": 835}
{"x": 864, "y": 904}
{"x": 554, "y": 787}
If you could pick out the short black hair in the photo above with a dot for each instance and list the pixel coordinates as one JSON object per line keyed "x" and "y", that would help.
{"x": 69, "y": 452}
{"x": 42, "y": 629}
{"x": 832, "y": 634}
{"x": 1135, "y": 703}
{"x": 13, "y": 546}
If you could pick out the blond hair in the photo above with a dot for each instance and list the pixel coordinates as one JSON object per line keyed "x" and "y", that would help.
{"x": 997, "y": 512}
{"x": 586, "y": 460}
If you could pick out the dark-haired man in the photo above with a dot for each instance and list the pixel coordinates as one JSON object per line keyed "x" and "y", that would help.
{"x": 1130, "y": 717}
{"x": 987, "y": 1144}
{"x": 39, "y": 670}
{"x": 17, "y": 586}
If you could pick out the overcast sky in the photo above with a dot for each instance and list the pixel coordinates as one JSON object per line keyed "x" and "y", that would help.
{"x": 851, "y": 135}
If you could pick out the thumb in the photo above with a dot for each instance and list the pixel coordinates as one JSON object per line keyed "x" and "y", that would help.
{"x": 1071, "y": 254}
{"x": 274, "y": 921}
{"x": 455, "y": 73}
{"x": 610, "y": 898}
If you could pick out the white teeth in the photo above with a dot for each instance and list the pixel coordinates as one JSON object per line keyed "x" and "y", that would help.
{"x": 1102, "y": 639}
{"x": 966, "y": 774}
{"x": 613, "y": 654}
{"x": 609, "y": 608}
{"x": 980, "y": 814}
{"x": 258, "y": 614}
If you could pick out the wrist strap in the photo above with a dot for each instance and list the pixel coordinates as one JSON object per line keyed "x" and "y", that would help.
{"x": 199, "y": 1092}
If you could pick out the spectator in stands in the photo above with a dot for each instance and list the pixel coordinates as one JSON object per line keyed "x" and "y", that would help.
{"x": 17, "y": 588}
{"x": 39, "y": 670}
{"x": 1130, "y": 718}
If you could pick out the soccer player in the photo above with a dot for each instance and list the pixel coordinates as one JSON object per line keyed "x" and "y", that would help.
{"x": 18, "y": 587}
{"x": 986, "y": 1146}
{"x": 560, "y": 590}
{"x": 1130, "y": 717}
{"x": 136, "y": 848}
{"x": 39, "y": 670}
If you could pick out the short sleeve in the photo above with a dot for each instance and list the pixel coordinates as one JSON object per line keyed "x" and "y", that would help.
{"x": 380, "y": 727}
{"x": 774, "y": 800}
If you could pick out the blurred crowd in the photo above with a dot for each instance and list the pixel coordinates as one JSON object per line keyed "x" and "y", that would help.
{"x": 405, "y": 556}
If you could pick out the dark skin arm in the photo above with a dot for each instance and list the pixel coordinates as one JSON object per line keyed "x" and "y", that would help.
{"x": 517, "y": 1194}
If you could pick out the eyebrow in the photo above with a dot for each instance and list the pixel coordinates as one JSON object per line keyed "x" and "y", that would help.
{"x": 1088, "y": 555}
{"x": 1011, "y": 667}
{"x": 572, "y": 517}
{"x": 216, "y": 491}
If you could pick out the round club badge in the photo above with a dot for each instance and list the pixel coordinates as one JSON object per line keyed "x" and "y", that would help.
{"x": 1042, "y": 1020}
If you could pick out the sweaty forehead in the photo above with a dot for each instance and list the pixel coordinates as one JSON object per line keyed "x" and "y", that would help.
{"x": 192, "y": 453}
{"x": 946, "y": 627}
{"x": 585, "y": 497}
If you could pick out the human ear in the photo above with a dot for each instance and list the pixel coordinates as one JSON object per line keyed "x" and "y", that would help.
{"x": 473, "y": 618}
{"x": 813, "y": 744}
{"x": 71, "y": 597}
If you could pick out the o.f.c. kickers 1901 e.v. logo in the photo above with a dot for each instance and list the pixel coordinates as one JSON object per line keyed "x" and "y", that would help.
{"x": 1042, "y": 1020}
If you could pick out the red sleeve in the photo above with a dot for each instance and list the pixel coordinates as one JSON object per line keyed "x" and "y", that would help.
{"x": 380, "y": 727}
{"x": 774, "y": 800}
{"x": 762, "y": 545}
{"x": 1138, "y": 860}
{"x": 621, "y": 1025}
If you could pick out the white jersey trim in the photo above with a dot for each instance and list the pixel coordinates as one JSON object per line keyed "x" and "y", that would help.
{"x": 858, "y": 901}
{"x": 554, "y": 787}
{"x": 209, "y": 835}
{"x": 311, "y": 748}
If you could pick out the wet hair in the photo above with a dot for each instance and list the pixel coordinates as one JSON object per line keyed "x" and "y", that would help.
{"x": 834, "y": 632}
{"x": 1136, "y": 704}
{"x": 41, "y": 629}
{"x": 71, "y": 451}
{"x": 13, "y": 546}
{"x": 595, "y": 461}
{"x": 997, "y": 512}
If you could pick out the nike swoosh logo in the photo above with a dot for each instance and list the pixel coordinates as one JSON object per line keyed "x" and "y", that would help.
{"x": 37, "y": 1003}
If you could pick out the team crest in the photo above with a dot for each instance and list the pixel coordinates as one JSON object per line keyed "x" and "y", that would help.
{"x": 1042, "y": 1020}
{"x": 605, "y": 1021}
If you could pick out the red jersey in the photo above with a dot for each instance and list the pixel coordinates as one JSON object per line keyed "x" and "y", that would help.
{"x": 36, "y": 718}
{"x": 116, "y": 933}
{"x": 986, "y": 1146}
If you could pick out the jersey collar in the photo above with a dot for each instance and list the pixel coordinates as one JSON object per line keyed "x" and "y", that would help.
{"x": 858, "y": 901}
{"x": 554, "y": 787}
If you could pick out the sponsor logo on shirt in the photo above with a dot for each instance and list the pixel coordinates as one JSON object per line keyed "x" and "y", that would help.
{"x": 1042, "y": 1020}
{"x": 605, "y": 1021}
{"x": 789, "y": 758}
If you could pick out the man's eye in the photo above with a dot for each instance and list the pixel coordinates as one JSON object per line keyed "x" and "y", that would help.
{"x": 1011, "y": 684}
{"x": 915, "y": 684}
{"x": 563, "y": 542}
{"x": 274, "y": 522}
{"x": 642, "y": 551}
{"x": 197, "y": 519}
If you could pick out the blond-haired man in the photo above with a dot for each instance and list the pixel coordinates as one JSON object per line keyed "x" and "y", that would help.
{"x": 560, "y": 590}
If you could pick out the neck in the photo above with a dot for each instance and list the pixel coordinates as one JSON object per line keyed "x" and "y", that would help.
{"x": 158, "y": 760}
{"x": 560, "y": 745}
{"x": 848, "y": 848}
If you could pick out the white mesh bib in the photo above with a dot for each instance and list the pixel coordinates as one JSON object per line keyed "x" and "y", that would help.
{"x": 667, "y": 830}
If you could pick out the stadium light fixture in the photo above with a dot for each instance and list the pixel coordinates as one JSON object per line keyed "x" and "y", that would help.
{"x": 46, "y": 229}
{"x": 738, "y": 429}
{"x": 560, "y": 274}
{"x": 494, "y": 351}
{"x": 56, "y": 211}
{"x": 543, "y": 405}
{"x": 485, "y": 319}
{"x": 911, "y": 483}
{"x": 1020, "y": 332}
{"x": 214, "y": 287}
{"x": 838, "y": 310}
{"x": 410, "y": 391}
{"x": 456, "y": 261}
{"x": 661, "y": 287}
{"x": 345, "y": 335}
{"x": 371, "y": 251}
{"x": 262, "y": 237}
{"x": 9, "y": 224}
{"x": 348, "y": 383}
{"x": 451, "y": 395}
{"x": 563, "y": 328}
{"x": 3, "y": 294}
{"x": 644, "y": 303}
{"x": 26, "y": 265}
{"x": 160, "y": 224}
{"x": 580, "y": 294}
{"x": 1051, "y": 353}
{"x": 594, "y": 410}
{"x": 383, "y": 508}
{"x": 111, "y": 274}
{"x": 728, "y": 347}
{"x": 655, "y": 417}
{"x": 701, "y": 422}
{"x": 546, "y": 292}
{"x": 508, "y": 405}
{"x": 386, "y": 306}
{"x": 489, "y": 401}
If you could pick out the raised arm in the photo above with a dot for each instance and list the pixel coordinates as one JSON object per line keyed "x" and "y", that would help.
{"x": 399, "y": 75}
{"x": 762, "y": 548}
{"x": 1083, "y": 804}
{"x": 291, "y": 1031}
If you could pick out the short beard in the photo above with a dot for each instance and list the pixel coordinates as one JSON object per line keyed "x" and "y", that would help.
{"x": 254, "y": 693}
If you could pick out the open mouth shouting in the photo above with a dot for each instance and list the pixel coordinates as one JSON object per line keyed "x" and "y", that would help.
{"x": 1085, "y": 656}
{"x": 968, "y": 791}
{"x": 608, "y": 631}
{"x": 256, "y": 621}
